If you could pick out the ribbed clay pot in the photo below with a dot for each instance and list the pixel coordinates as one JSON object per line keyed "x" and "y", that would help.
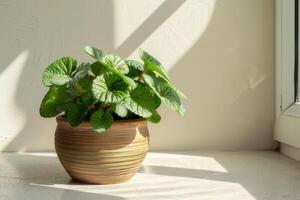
{"x": 102, "y": 158}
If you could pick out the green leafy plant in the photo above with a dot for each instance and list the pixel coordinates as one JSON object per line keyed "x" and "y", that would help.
{"x": 108, "y": 89}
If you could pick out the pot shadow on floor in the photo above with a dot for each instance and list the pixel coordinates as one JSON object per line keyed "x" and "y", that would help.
{"x": 43, "y": 176}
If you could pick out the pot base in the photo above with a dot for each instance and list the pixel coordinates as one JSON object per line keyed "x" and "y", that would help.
{"x": 101, "y": 181}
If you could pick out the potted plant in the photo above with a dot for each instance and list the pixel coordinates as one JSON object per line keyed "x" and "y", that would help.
{"x": 102, "y": 109}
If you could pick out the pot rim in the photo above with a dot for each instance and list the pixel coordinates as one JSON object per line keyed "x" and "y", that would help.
{"x": 61, "y": 118}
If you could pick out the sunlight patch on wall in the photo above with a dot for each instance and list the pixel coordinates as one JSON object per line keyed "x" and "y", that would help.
{"x": 126, "y": 21}
{"x": 12, "y": 118}
{"x": 174, "y": 28}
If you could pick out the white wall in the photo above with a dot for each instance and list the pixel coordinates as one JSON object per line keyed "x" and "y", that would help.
{"x": 220, "y": 53}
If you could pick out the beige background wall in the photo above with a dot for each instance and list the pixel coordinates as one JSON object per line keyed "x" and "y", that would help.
{"x": 220, "y": 53}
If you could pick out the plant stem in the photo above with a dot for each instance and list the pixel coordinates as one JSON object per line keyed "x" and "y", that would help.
{"x": 78, "y": 88}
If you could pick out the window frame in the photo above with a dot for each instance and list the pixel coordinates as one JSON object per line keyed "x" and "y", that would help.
{"x": 287, "y": 125}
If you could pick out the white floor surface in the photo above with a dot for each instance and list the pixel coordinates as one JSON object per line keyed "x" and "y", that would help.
{"x": 199, "y": 175}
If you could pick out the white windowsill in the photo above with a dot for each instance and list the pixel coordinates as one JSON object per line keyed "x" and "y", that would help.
{"x": 287, "y": 126}
{"x": 293, "y": 110}
{"x": 174, "y": 175}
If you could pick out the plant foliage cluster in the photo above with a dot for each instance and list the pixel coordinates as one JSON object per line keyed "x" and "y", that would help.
{"x": 108, "y": 89}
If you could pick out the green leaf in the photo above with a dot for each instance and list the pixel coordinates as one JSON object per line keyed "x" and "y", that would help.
{"x": 141, "y": 101}
{"x": 111, "y": 62}
{"x": 98, "y": 68}
{"x": 101, "y": 121}
{"x": 120, "y": 110}
{"x": 53, "y": 102}
{"x": 181, "y": 94}
{"x": 87, "y": 96}
{"x": 80, "y": 87}
{"x": 75, "y": 113}
{"x": 82, "y": 71}
{"x": 126, "y": 79}
{"x": 116, "y": 62}
{"x": 135, "y": 68}
{"x": 155, "y": 117}
{"x": 95, "y": 53}
{"x": 152, "y": 64}
{"x": 165, "y": 91}
{"x": 109, "y": 88}
{"x": 59, "y": 72}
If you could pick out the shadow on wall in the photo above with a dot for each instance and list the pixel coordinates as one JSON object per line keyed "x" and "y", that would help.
{"x": 45, "y": 32}
{"x": 227, "y": 74}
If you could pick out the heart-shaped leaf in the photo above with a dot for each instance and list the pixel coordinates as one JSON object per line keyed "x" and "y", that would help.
{"x": 75, "y": 113}
{"x": 112, "y": 63}
{"x": 165, "y": 91}
{"x": 152, "y": 64}
{"x": 59, "y": 72}
{"x": 154, "y": 118}
{"x": 95, "y": 53}
{"x": 101, "y": 121}
{"x": 180, "y": 94}
{"x": 82, "y": 71}
{"x": 109, "y": 88}
{"x": 116, "y": 62}
{"x": 120, "y": 110}
{"x": 141, "y": 101}
{"x": 53, "y": 102}
{"x": 135, "y": 68}
{"x": 98, "y": 68}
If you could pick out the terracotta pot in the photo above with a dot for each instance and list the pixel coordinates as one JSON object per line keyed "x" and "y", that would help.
{"x": 102, "y": 158}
